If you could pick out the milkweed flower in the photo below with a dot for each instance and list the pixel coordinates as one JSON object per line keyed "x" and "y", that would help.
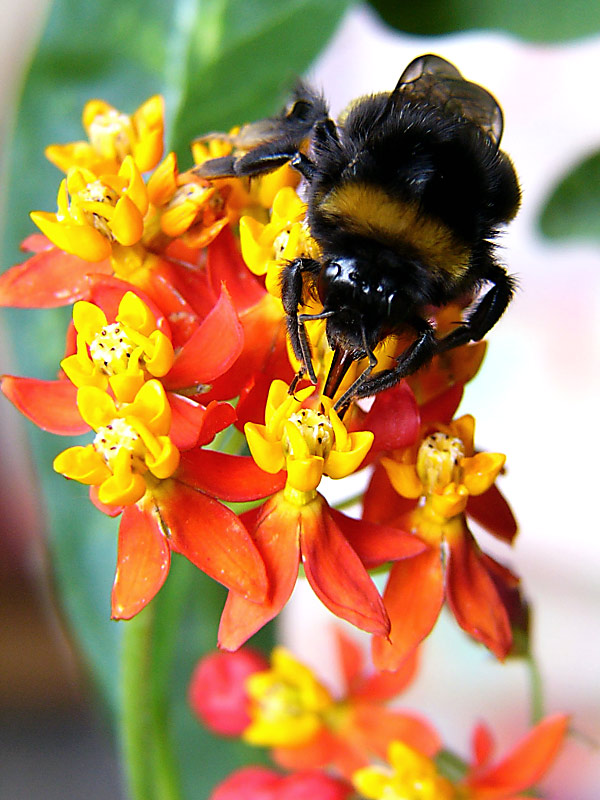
{"x": 285, "y": 706}
{"x": 412, "y": 775}
{"x": 122, "y": 341}
{"x": 266, "y": 248}
{"x": 297, "y": 524}
{"x": 436, "y": 477}
{"x": 95, "y": 212}
{"x": 113, "y": 136}
{"x": 145, "y": 461}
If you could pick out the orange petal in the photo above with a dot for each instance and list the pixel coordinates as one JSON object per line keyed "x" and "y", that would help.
{"x": 212, "y": 537}
{"x": 474, "y": 599}
{"x": 492, "y": 512}
{"x": 381, "y": 726}
{"x": 211, "y": 349}
{"x": 51, "y": 405}
{"x": 336, "y": 573}
{"x": 49, "y": 279}
{"x": 413, "y": 597}
{"x": 143, "y": 561}
{"x": 276, "y": 537}
{"x": 382, "y": 686}
{"x": 526, "y": 764}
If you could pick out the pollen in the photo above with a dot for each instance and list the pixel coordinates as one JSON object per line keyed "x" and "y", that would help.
{"x": 439, "y": 461}
{"x": 118, "y": 435}
{"x": 316, "y": 431}
{"x": 111, "y": 349}
{"x": 111, "y": 134}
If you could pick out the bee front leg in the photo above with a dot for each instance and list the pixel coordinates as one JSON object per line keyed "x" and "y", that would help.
{"x": 419, "y": 353}
{"x": 485, "y": 314}
{"x": 292, "y": 289}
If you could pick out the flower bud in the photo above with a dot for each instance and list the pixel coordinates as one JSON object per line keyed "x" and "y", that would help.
{"x": 217, "y": 692}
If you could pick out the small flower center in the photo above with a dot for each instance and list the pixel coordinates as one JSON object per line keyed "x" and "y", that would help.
{"x": 111, "y": 349}
{"x": 111, "y": 134}
{"x": 438, "y": 461}
{"x": 280, "y": 702}
{"x": 190, "y": 192}
{"x": 118, "y": 435}
{"x": 97, "y": 192}
{"x": 280, "y": 243}
{"x": 316, "y": 431}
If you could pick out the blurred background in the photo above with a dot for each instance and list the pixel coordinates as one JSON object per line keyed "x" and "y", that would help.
{"x": 536, "y": 398}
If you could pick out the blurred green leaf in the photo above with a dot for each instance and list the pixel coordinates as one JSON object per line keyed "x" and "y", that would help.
{"x": 534, "y": 20}
{"x": 573, "y": 209}
{"x": 242, "y": 58}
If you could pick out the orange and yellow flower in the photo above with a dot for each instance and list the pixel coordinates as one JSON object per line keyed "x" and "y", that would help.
{"x": 113, "y": 136}
{"x": 435, "y": 479}
{"x": 297, "y": 525}
{"x": 95, "y": 212}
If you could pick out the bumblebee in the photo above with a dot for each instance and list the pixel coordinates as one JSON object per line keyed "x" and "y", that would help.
{"x": 406, "y": 193}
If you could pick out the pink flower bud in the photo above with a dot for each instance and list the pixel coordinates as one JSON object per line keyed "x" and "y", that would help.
{"x": 217, "y": 692}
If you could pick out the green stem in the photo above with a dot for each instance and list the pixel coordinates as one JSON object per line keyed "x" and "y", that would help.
{"x": 136, "y": 714}
{"x": 536, "y": 689}
{"x": 147, "y": 754}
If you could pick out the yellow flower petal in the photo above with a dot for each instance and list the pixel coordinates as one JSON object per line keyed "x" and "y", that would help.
{"x": 267, "y": 453}
{"x": 82, "y": 464}
{"x": 339, "y": 464}
{"x": 404, "y": 478}
{"x": 481, "y": 470}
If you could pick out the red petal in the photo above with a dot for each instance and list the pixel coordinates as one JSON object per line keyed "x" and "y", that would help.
{"x": 380, "y": 726}
{"x": 336, "y": 573}
{"x": 381, "y": 502}
{"x": 276, "y": 537}
{"x": 51, "y": 405}
{"x": 264, "y": 351}
{"x": 492, "y": 512}
{"x": 383, "y": 686}
{"x": 48, "y": 279}
{"x": 192, "y": 424}
{"x": 526, "y": 763}
{"x": 143, "y": 561}
{"x": 107, "y": 292}
{"x": 443, "y": 407}
{"x": 482, "y": 745}
{"x": 249, "y": 783}
{"x": 393, "y": 418}
{"x": 235, "y": 479}
{"x": 217, "y": 691}
{"x": 474, "y": 599}
{"x": 36, "y": 243}
{"x": 226, "y": 265}
{"x": 413, "y": 597}
{"x": 211, "y": 349}
{"x": 183, "y": 318}
{"x": 375, "y": 544}
{"x": 310, "y": 785}
{"x": 184, "y": 280}
{"x": 213, "y": 538}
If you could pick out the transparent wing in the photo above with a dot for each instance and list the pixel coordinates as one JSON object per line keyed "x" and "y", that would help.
{"x": 438, "y": 82}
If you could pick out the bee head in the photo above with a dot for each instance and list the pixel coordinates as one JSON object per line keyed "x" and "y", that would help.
{"x": 362, "y": 296}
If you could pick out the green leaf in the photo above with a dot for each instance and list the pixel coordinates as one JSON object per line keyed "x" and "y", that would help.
{"x": 573, "y": 209}
{"x": 245, "y": 57}
{"x": 534, "y": 20}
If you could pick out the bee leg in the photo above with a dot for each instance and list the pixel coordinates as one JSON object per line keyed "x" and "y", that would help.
{"x": 304, "y": 165}
{"x": 485, "y": 314}
{"x": 419, "y": 353}
{"x": 292, "y": 287}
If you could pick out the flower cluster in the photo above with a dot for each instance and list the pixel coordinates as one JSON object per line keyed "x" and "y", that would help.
{"x": 178, "y": 345}
{"x": 384, "y": 754}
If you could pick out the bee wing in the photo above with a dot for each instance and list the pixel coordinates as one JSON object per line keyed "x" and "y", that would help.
{"x": 262, "y": 146}
{"x": 439, "y": 83}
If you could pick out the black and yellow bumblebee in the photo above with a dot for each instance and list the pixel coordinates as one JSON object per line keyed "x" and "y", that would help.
{"x": 406, "y": 193}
